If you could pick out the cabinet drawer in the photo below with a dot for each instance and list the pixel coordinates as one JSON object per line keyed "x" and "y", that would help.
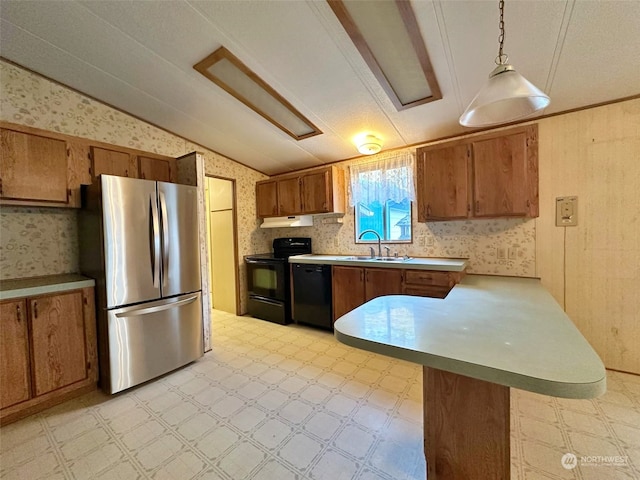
{"x": 432, "y": 291}
{"x": 428, "y": 277}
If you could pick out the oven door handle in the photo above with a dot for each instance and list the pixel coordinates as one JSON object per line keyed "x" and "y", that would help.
{"x": 264, "y": 262}
{"x": 266, "y": 300}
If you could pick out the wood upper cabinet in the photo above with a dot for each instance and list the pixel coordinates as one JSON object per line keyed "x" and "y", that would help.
{"x": 14, "y": 353}
{"x": 113, "y": 162}
{"x": 382, "y": 281}
{"x": 33, "y": 167}
{"x": 57, "y": 330}
{"x": 444, "y": 183}
{"x": 347, "y": 288}
{"x": 267, "y": 198}
{"x": 492, "y": 175}
{"x": 160, "y": 169}
{"x": 505, "y": 175}
{"x": 48, "y": 351}
{"x": 289, "y": 196}
{"x": 315, "y": 191}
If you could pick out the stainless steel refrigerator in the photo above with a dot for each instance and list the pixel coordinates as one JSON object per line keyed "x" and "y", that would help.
{"x": 139, "y": 241}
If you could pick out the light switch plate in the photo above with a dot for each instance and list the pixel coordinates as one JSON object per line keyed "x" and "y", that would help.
{"x": 567, "y": 211}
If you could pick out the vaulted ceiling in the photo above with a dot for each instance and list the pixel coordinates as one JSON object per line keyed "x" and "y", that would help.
{"x": 138, "y": 56}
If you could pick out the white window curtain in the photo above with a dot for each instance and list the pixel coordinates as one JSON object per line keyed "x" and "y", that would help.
{"x": 389, "y": 177}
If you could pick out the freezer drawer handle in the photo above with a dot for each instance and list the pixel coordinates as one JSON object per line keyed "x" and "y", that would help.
{"x": 158, "y": 308}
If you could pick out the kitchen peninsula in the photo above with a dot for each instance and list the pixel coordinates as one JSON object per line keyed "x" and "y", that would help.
{"x": 488, "y": 335}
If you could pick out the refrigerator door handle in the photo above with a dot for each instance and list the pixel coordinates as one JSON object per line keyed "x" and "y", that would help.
{"x": 165, "y": 239}
{"x": 154, "y": 239}
{"x": 158, "y": 308}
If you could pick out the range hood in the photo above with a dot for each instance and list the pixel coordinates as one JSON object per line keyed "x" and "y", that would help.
{"x": 293, "y": 221}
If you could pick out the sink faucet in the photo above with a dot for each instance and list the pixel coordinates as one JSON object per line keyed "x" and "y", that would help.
{"x": 388, "y": 251}
{"x": 379, "y": 239}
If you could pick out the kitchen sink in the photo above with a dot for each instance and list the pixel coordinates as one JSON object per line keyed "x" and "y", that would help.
{"x": 379, "y": 259}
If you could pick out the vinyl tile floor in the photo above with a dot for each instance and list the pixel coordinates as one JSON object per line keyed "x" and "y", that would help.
{"x": 275, "y": 402}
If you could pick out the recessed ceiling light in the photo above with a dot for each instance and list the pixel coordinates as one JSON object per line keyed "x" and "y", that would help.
{"x": 387, "y": 35}
{"x": 229, "y": 73}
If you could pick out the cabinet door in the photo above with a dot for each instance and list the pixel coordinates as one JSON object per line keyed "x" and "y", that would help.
{"x": 58, "y": 343}
{"x": 382, "y": 281}
{"x": 33, "y": 167}
{"x": 112, "y": 162}
{"x": 443, "y": 183}
{"x": 347, "y": 289}
{"x": 502, "y": 179}
{"x": 289, "y": 196}
{"x": 14, "y": 353}
{"x": 267, "y": 199}
{"x": 316, "y": 192}
{"x": 154, "y": 169}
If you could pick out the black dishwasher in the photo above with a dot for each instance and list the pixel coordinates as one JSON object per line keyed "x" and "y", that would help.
{"x": 312, "y": 295}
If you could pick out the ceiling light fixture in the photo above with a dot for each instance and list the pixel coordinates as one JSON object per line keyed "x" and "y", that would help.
{"x": 369, "y": 144}
{"x": 507, "y": 96}
{"x": 387, "y": 35}
{"x": 229, "y": 73}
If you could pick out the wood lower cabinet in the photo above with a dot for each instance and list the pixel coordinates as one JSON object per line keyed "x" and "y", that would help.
{"x": 57, "y": 337}
{"x": 49, "y": 351}
{"x": 33, "y": 167}
{"x": 382, "y": 281}
{"x": 347, "y": 289}
{"x": 14, "y": 353}
{"x": 429, "y": 283}
{"x": 353, "y": 286}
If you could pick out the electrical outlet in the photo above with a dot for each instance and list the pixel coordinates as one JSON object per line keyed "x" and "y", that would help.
{"x": 429, "y": 241}
{"x": 335, "y": 242}
{"x": 512, "y": 253}
{"x": 566, "y": 211}
{"x": 501, "y": 253}
{"x": 422, "y": 241}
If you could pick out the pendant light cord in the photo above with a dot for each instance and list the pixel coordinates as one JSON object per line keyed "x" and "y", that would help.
{"x": 501, "y": 59}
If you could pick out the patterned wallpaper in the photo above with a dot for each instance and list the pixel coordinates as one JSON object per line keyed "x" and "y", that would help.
{"x": 477, "y": 240}
{"x": 26, "y": 246}
{"x": 26, "y": 249}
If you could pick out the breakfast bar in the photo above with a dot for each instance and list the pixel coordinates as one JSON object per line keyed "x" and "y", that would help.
{"x": 489, "y": 334}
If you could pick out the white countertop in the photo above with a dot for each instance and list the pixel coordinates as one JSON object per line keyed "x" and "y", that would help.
{"x": 417, "y": 263}
{"x": 30, "y": 287}
{"x": 505, "y": 330}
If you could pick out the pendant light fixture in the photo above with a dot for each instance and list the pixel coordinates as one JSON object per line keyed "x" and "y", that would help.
{"x": 507, "y": 96}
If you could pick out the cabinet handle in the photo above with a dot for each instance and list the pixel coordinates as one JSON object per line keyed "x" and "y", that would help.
{"x": 35, "y": 309}
{"x": 18, "y": 313}
{"x": 0, "y": 186}
{"x": 126, "y": 173}
{"x": 428, "y": 210}
{"x": 477, "y": 206}
{"x": 361, "y": 275}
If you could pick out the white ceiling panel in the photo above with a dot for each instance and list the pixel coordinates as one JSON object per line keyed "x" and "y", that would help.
{"x": 138, "y": 56}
